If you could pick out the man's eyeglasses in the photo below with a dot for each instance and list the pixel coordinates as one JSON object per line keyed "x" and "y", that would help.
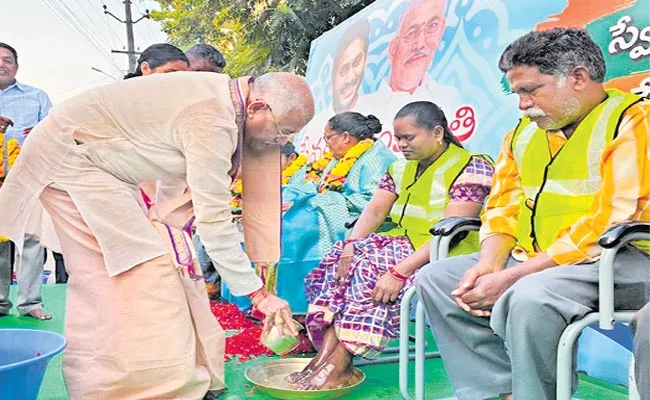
{"x": 430, "y": 29}
{"x": 282, "y": 138}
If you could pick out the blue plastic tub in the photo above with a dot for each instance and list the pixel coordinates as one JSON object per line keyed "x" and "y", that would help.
{"x": 24, "y": 354}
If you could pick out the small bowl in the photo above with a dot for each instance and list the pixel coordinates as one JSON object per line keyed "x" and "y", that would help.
{"x": 281, "y": 345}
{"x": 269, "y": 378}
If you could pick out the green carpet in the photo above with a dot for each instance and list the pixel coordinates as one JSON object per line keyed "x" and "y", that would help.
{"x": 381, "y": 380}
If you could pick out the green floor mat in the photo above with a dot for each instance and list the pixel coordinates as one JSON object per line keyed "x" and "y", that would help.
{"x": 381, "y": 380}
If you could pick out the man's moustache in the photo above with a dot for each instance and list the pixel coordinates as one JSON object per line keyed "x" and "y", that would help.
{"x": 534, "y": 113}
{"x": 423, "y": 52}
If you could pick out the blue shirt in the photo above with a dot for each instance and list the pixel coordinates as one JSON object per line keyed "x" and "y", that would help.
{"x": 25, "y": 105}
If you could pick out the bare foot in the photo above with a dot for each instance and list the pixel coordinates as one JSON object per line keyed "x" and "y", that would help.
{"x": 506, "y": 396}
{"x": 330, "y": 343}
{"x": 334, "y": 373}
{"x": 39, "y": 313}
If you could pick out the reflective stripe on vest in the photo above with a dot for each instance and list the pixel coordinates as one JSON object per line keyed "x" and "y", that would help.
{"x": 421, "y": 203}
{"x": 559, "y": 191}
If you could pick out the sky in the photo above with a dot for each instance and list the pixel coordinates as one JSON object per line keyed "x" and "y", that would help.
{"x": 57, "y": 57}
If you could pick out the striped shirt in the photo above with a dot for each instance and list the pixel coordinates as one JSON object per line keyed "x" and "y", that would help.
{"x": 624, "y": 194}
{"x": 25, "y": 105}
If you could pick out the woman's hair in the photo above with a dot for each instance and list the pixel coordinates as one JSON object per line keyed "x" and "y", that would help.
{"x": 427, "y": 115}
{"x": 288, "y": 149}
{"x": 358, "y": 126}
{"x": 157, "y": 55}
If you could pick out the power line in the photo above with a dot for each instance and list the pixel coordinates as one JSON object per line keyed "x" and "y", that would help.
{"x": 91, "y": 21}
{"x": 80, "y": 86}
{"x": 137, "y": 31}
{"x": 129, "y": 22}
{"x": 104, "y": 18}
{"x": 61, "y": 14}
{"x": 81, "y": 24}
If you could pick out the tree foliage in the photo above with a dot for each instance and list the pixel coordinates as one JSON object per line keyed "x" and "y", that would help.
{"x": 255, "y": 35}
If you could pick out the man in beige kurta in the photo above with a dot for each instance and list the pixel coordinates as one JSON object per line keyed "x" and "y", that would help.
{"x": 137, "y": 328}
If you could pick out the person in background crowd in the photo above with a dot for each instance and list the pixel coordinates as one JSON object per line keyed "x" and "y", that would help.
{"x": 575, "y": 165}
{"x": 158, "y": 59}
{"x": 25, "y": 106}
{"x": 203, "y": 57}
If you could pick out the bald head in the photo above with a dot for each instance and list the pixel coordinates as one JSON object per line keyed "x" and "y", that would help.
{"x": 288, "y": 95}
{"x": 278, "y": 105}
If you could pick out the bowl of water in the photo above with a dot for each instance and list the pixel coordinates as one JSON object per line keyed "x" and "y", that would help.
{"x": 24, "y": 355}
{"x": 270, "y": 378}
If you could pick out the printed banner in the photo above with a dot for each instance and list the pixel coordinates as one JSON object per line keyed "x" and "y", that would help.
{"x": 446, "y": 51}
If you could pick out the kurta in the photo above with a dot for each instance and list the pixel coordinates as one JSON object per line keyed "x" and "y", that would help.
{"x": 99, "y": 145}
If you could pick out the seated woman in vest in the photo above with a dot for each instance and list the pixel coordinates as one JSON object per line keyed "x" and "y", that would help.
{"x": 354, "y": 293}
{"x": 325, "y": 195}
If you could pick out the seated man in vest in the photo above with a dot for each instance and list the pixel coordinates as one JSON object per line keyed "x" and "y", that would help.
{"x": 575, "y": 165}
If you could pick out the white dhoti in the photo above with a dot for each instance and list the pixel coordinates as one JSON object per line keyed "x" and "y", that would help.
{"x": 147, "y": 333}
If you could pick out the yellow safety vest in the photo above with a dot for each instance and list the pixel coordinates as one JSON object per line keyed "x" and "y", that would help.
{"x": 559, "y": 191}
{"x": 421, "y": 202}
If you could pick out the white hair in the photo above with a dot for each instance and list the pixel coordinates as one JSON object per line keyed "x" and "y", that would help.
{"x": 285, "y": 93}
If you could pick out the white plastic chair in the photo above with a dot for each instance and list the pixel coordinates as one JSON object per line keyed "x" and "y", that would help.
{"x": 613, "y": 240}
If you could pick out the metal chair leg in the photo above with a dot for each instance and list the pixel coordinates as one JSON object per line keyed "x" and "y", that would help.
{"x": 564, "y": 361}
{"x": 404, "y": 343}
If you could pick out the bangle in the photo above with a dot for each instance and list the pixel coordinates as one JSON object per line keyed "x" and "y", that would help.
{"x": 396, "y": 274}
{"x": 346, "y": 256}
{"x": 348, "y": 241}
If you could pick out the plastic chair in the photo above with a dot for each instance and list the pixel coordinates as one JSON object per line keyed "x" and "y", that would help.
{"x": 443, "y": 233}
{"x": 613, "y": 240}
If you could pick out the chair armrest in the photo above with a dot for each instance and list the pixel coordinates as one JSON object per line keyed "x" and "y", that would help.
{"x": 611, "y": 241}
{"x": 350, "y": 224}
{"x": 618, "y": 233}
{"x": 449, "y": 226}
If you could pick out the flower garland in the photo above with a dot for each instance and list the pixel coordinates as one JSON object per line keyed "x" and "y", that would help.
{"x": 315, "y": 169}
{"x": 337, "y": 176}
{"x": 13, "y": 149}
{"x": 236, "y": 190}
{"x": 292, "y": 168}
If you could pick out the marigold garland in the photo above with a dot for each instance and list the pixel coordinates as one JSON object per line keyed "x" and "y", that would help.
{"x": 316, "y": 168}
{"x": 236, "y": 193}
{"x": 337, "y": 176}
{"x": 13, "y": 149}
{"x": 292, "y": 168}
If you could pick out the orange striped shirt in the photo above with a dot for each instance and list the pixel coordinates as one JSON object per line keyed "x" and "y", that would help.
{"x": 623, "y": 196}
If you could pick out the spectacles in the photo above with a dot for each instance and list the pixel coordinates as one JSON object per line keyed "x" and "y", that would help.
{"x": 282, "y": 138}
{"x": 430, "y": 29}
{"x": 328, "y": 138}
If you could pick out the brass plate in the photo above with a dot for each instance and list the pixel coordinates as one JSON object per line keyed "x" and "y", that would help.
{"x": 269, "y": 379}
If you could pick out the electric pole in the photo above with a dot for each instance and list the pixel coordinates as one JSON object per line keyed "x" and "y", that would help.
{"x": 129, "y": 22}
